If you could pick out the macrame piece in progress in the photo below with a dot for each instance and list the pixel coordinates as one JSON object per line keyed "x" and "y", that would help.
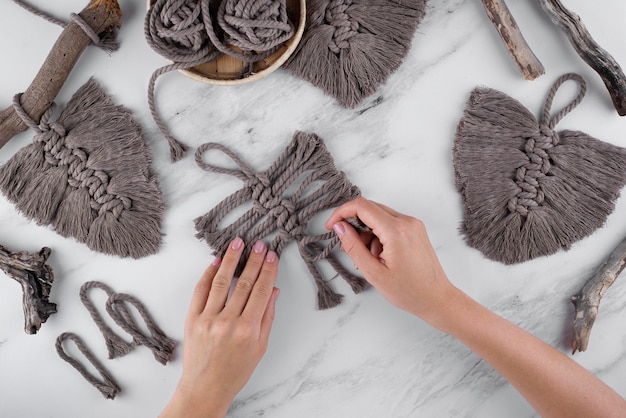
{"x": 190, "y": 33}
{"x": 302, "y": 182}
{"x": 527, "y": 189}
{"x": 350, "y": 47}
{"x": 88, "y": 176}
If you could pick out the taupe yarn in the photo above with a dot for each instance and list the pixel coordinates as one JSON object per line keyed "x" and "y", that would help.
{"x": 116, "y": 346}
{"x": 191, "y": 32}
{"x": 350, "y": 47}
{"x": 88, "y": 176}
{"x": 527, "y": 189}
{"x": 106, "y": 384}
{"x": 117, "y": 306}
{"x": 107, "y": 40}
{"x": 301, "y": 182}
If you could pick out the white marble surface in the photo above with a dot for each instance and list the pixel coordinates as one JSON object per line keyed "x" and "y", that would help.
{"x": 363, "y": 358}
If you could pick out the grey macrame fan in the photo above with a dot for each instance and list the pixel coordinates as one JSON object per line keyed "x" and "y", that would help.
{"x": 527, "y": 189}
{"x": 350, "y": 47}
{"x": 88, "y": 176}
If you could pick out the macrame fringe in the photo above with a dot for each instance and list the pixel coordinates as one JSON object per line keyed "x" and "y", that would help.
{"x": 350, "y": 47}
{"x": 571, "y": 199}
{"x": 69, "y": 176}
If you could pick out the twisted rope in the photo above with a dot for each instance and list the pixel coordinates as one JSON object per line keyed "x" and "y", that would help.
{"x": 528, "y": 176}
{"x": 106, "y": 42}
{"x": 344, "y": 27}
{"x": 305, "y": 163}
{"x": 184, "y": 32}
{"x": 51, "y": 136}
{"x": 107, "y": 384}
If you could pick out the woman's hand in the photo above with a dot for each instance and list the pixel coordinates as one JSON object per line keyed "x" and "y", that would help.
{"x": 396, "y": 258}
{"x": 225, "y": 337}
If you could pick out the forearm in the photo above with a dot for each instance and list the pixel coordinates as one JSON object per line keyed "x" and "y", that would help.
{"x": 553, "y": 384}
{"x": 194, "y": 405}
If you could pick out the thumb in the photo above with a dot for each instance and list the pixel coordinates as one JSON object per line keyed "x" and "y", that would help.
{"x": 352, "y": 245}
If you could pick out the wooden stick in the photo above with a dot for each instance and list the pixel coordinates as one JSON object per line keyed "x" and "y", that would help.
{"x": 101, "y": 16}
{"x": 587, "y": 300}
{"x": 505, "y": 24}
{"x": 36, "y": 278}
{"x": 597, "y": 58}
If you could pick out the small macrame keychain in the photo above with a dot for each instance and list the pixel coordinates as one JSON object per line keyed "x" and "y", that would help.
{"x": 527, "y": 189}
{"x": 190, "y": 33}
{"x": 88, "y": 175}
{"x": 350, "y": 47}
{"x": 158, "y": 342}
{"x": 301, "y": 182}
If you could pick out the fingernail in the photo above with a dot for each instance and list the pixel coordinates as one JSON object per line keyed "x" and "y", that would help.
{"x": 259, "y": 247}
{"x": 271, "y": 257}
{"x": 339, "y": 229}
{"x": 216, "y": 261}
{"x": 236, "y": 244}
{"x": 276, "y": 294}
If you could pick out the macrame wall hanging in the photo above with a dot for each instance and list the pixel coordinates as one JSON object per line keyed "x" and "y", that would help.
{"x": 88, "y": 176}
{"x": 190, "y": 33}
{"x": 284, "y": 198}
{"x": 350, "y": 47}
{"x": 527, "y": 189}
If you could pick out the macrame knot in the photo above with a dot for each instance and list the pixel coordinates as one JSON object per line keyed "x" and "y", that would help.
{"x": 345, "y": 28}
{"x": 255, "y": 25}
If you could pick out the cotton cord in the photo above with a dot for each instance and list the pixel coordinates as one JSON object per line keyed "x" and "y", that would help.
{"x": 106, "y": 384}
{"x": 116, "y": 346}
{"x": 161, "y": 345}
{"x": 185, "y": 32}
{"x": 304, "y": 166}
{"x": 107, "y": 42}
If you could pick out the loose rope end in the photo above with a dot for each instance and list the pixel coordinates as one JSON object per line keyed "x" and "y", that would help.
{"x": 177, "y": 149}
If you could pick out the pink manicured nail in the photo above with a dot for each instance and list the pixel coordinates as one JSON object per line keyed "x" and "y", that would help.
{"x": 271, "y": 257}
{"x": 216, "y": 261}
{"x": 259, "y": 247}
{"x": 339, "y": 229}
{"x": 236, "y": 244}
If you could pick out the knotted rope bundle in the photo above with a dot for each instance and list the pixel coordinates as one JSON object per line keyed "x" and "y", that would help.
{"x": 161, "y": 345}
{"x": 529, "y": 190}
{"x": 191, "y": 32}
{"x": 88, "y": 176}
{"x": 307, "y": 168}
{"x": 350, "y": 47}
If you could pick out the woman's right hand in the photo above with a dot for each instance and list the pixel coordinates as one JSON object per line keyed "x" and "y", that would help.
{"x": 397, "y": 258}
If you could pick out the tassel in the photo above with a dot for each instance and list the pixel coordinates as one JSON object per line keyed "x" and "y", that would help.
{"x": 75, "y": 215}
{"x": 18, "y": 172}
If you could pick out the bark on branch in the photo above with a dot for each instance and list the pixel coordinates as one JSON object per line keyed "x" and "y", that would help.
{"x": 102, "y": 16}
{"x": 505, "y": 24}
{"x": 587, "y": 300}
{"x": 36, "y": 278}
{"x": 594, "y": 55}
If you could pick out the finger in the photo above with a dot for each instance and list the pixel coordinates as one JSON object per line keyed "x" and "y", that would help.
{"x": 220, "y": 285}
{"x": 247, "y": 279}
{"x": 268, "y": 317}
{"x": 370, "y": 213}
{"x": 262, "y": 291}
{"x": 358, "y": 252}
{"x": 376, "y": 248}
{"x": 203, "y": 287}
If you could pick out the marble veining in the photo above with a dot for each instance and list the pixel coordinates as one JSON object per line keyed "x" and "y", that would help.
{"x": 363, "y": 358}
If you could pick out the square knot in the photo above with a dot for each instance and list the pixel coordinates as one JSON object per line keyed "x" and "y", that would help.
{"x": 345, "y": 27}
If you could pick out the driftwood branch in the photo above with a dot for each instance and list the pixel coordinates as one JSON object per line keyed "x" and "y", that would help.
{"x": 102, "y": 16}
{"x": 505, "y": 24}
{"x": 587, "y": 300}
{"x": 36, "y": 278}
{"x": 594, "y": 55}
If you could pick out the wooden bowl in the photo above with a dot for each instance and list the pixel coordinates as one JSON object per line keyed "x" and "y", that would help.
{"x": 226, "y": 70}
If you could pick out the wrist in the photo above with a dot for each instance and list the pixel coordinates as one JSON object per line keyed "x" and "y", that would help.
{"x": 188, "y": 404}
